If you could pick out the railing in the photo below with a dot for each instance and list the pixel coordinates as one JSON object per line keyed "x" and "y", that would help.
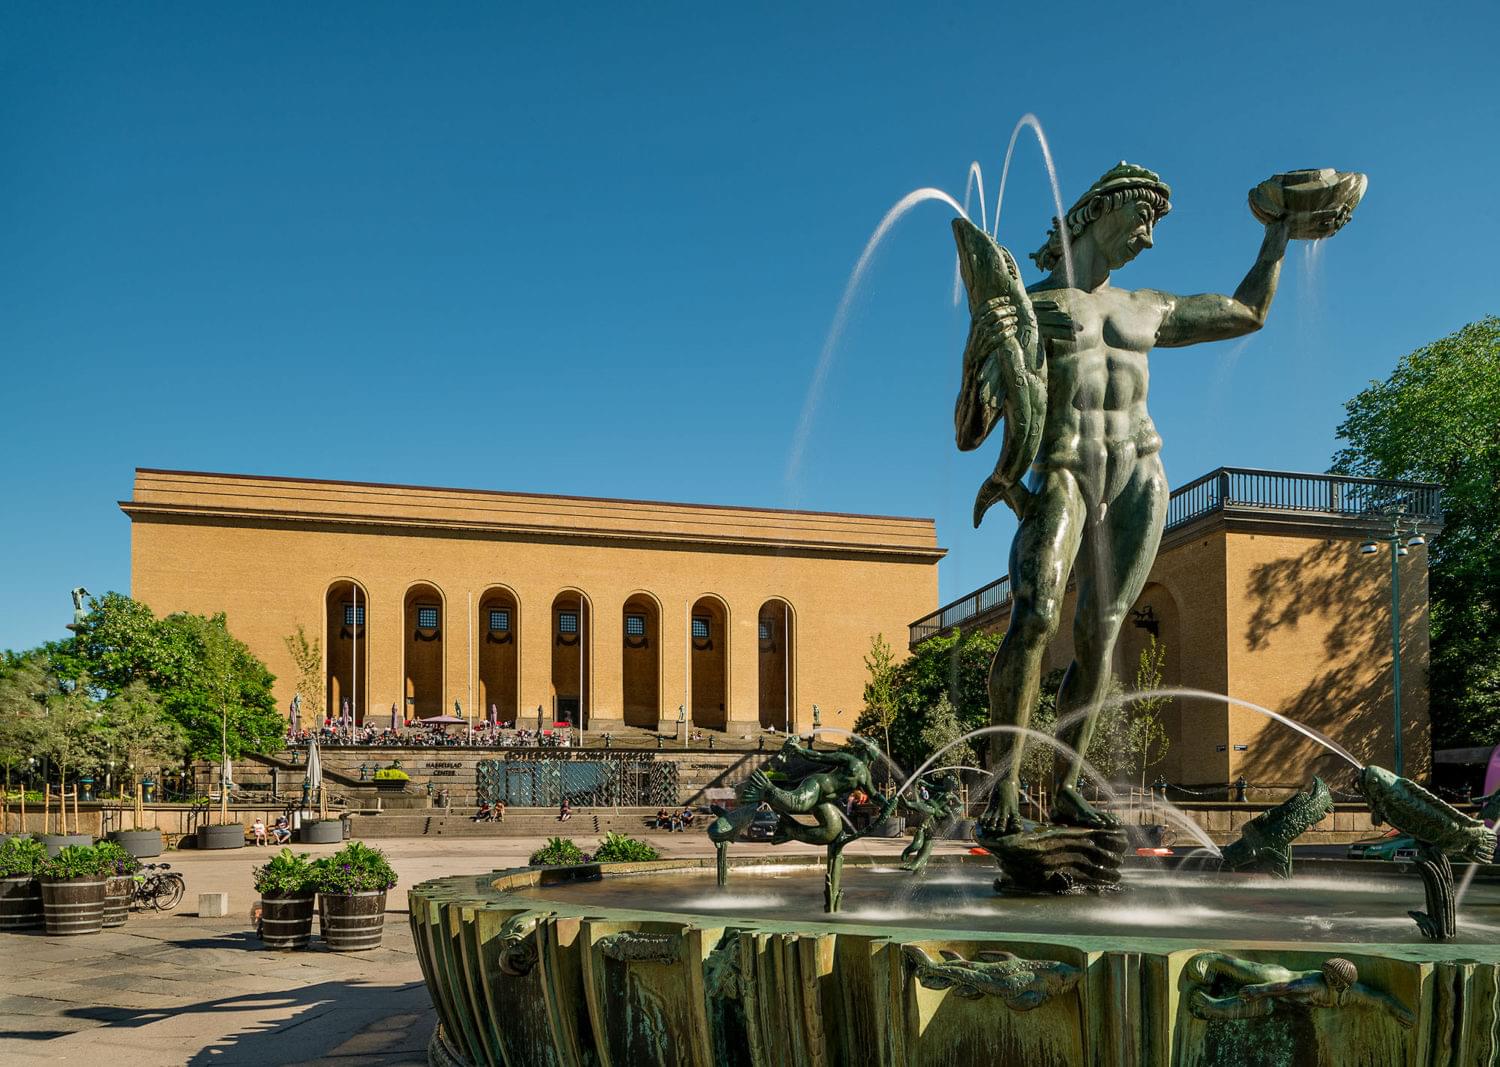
{"x": 1244, "y": 491}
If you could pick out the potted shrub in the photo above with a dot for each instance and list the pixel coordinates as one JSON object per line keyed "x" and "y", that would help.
{"x": 393, "y": 779}
{"x": 21, "y": 860}
{"x": 73, "y": 891}
{"x": 621, "y": 848}
{"x": 558, "y": 852}
{"x": 286, "y": 885}
{"x": 119, "y": 868}
{"x": 351, "y": 897}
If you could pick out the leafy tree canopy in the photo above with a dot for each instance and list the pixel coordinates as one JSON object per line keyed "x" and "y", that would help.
{"x": 190, "y": 663}
{"x": 955, "y": 664}
{"x": 1437, "y": 419}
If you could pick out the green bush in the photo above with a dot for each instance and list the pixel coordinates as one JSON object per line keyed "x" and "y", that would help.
{"x": 75, "y": 861}
{"x": 621, "y": 848}
{"x": 558, "y": 852}
{"x": 117, "y": 862}
{"x": 391, "y": 774}
{"x": 285, "y": 872}
{"x": 21, "y": 856}
{"x": 355, "y": 868}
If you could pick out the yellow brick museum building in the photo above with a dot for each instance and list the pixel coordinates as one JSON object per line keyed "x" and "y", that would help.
{"x": 616, "y": 613}
{"x": 604, "y": 613}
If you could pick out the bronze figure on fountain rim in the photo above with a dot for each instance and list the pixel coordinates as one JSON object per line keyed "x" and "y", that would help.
{"x": 1065, "y": 365}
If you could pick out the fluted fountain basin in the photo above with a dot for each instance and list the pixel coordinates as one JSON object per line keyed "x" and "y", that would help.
{"x": 654, "y": 963}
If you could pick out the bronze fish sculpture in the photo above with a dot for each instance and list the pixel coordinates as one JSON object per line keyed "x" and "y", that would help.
{"x": 1413, "y": 810}
{"x": 1265, "y": 844}
{"x": 1021, "y": 984}
{"x": 1008, "y": 382}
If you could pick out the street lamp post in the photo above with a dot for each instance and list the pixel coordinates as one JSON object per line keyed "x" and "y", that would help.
{"x": 1405, "y": 535}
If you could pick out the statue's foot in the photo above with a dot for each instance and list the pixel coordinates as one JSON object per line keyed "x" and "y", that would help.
{"x": 1003, "y": 816}
{"x": 1070, "y": 809}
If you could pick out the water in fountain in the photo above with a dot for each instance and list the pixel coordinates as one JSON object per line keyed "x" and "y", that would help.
{"x": 841, "y": 317}
{"x": 1030, "y": 120}
{"x": 1303, "y": 729}
{"x": 975, "y": 178}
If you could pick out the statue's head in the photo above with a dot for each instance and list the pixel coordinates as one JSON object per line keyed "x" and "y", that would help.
{"x": 864, "y": 748}
{"x": 1340, "y": 974}
{"x": 1119, "y": 212}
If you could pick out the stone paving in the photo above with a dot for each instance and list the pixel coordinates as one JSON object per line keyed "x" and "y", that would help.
{"x": 174, "y": 989}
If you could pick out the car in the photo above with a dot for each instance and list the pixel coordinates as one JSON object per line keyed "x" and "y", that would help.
{"x": 1391, "y": 845}
{"x": 763, "y": 826}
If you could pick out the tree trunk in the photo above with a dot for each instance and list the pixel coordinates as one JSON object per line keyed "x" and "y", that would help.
{"x": 224, "y": 765}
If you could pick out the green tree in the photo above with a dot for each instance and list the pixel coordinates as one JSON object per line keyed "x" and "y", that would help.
{"x": 308, "y": 657}
{"x": 943, "y": 729}
{"x": 1105, "y": 754}
{"x": 957, "y": 664}
{"x": 208, "y": 682}
{"x": 68, "y": 730}
{"x": 1437, "y": 419}
{"x": 137, "y": 728}
{"x": 880, "y": 691}
{"x": 23, "y": 688}
{"x": 1145, "y": 735}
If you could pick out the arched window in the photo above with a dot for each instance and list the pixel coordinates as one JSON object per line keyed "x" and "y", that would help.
{"x": 497, "y": 648}
{"x": 572, "y": 637}
{"x": 708, "y": 657}
{"x": 346, "y": 656}
{"x": 425, "y": 624}
{"x": 775, "y": 657}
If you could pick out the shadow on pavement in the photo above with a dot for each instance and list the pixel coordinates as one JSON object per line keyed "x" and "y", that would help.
{"x": 354, "y": 1021}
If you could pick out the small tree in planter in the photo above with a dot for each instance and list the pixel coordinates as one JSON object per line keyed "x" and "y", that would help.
{"x": 287, "y": 885}
{"x": 558, "y": 852}
{"x": 119, "y": 868}
{"x": 351, "y": 887}
{"x": 21, "y": 860}
{"x": 73, "y": 891}
{"x": 621, "y": 848}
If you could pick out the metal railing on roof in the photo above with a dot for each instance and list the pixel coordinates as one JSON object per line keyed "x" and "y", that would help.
{"x": 1239, "y": 490}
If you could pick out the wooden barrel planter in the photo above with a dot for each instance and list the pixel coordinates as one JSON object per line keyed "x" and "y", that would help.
{"x": 142, "y": 844}
{"x": 20, "y": 903}
{"x": 117, "y": 900}
{"x": 231, "y": 835}
{"x": 321, "y": 831}
{"x": 57, "y": 842}
{"x": 352, "y": 922}
{"x": 286, "y": 919}
{"x": 73, "y": 905}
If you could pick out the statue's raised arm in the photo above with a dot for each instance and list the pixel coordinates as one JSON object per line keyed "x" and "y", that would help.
{"x": 1305, "y": 205}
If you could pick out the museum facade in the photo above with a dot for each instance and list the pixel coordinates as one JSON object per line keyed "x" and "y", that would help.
{"x": 529, "y": 607}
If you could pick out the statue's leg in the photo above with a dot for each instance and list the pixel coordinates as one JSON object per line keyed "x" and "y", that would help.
{"x": 1041, "y": 557}
{"x": 1113, "y": 565}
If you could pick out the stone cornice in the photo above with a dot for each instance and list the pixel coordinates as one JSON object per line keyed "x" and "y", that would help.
{"x": 205, "y": 514}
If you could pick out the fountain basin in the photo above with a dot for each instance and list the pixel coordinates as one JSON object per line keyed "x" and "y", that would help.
{"x": 653, "y": 963}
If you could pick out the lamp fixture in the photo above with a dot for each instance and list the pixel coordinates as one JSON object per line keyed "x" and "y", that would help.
{"x": 1369, "y": 548}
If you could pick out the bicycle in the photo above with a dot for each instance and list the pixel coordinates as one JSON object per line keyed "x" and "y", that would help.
{"x": 162, "y": 888}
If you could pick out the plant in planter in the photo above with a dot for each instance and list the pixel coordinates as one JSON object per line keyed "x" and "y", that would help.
{"x": 119, "y": 868}
{"x": 73, "y": 891}
{"x": 621, "y": 848}
{"x": 21, "y": 860}
{"x": 393, "y": 778}
{"x": 287, "y": 885}
{"x": 351, "y": 887}
{"x": 558, "y": 852}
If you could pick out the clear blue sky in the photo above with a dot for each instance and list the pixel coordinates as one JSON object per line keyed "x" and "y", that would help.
{"x": 598, "y": 253}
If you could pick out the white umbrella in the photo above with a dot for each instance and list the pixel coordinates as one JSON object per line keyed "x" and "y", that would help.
{"x": 314, "y": 766}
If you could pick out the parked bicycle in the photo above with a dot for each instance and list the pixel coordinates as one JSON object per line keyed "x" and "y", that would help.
{"x": 158, "y": 886}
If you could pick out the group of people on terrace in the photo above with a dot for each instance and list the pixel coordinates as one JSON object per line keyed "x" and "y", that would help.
{"x": 415, "y": 734}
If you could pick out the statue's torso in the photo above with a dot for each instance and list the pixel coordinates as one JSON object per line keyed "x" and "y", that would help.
{"x": 1097, "y": 423}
